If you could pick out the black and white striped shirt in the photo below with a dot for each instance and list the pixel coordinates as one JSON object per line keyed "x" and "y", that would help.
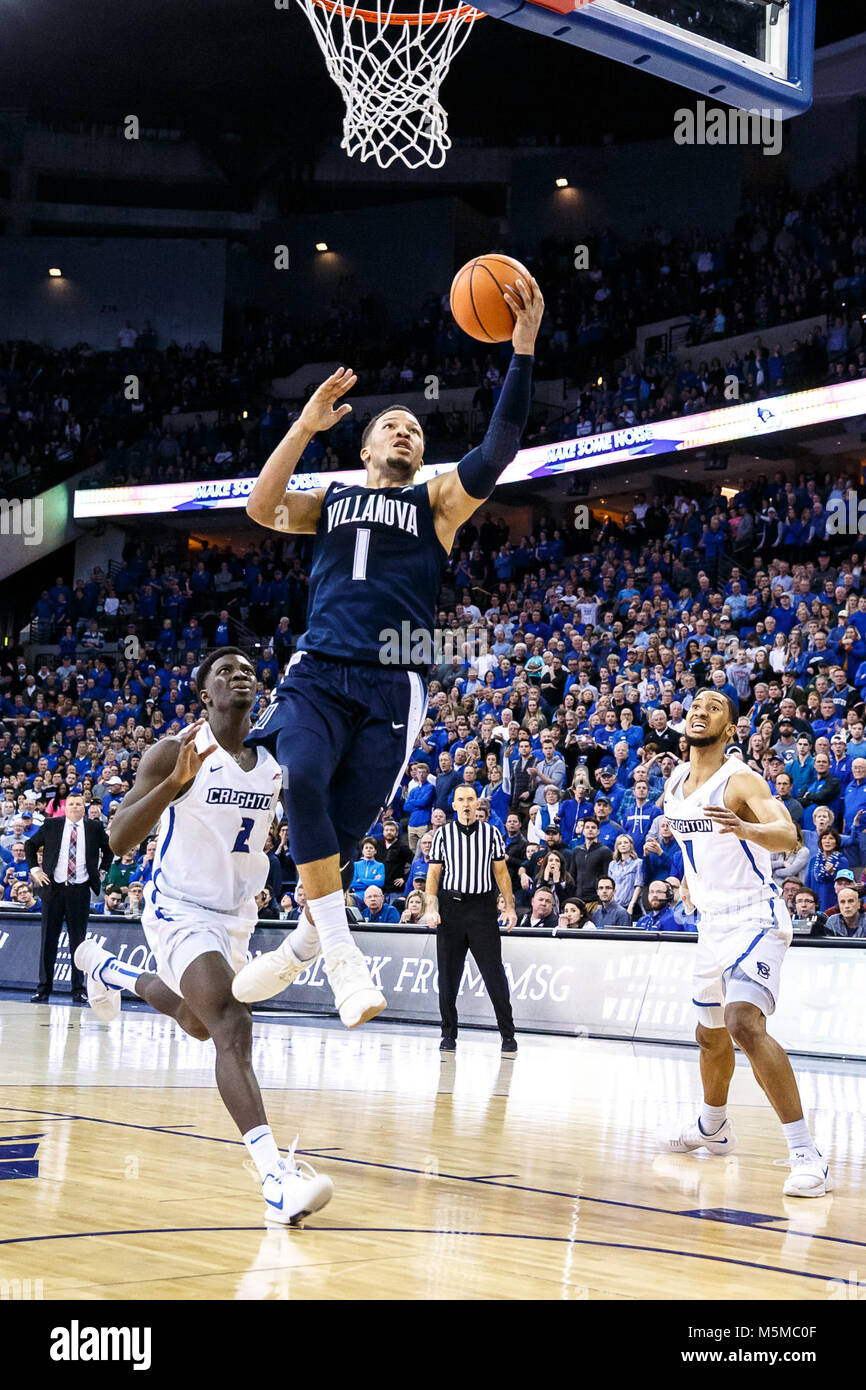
{"x": 467, "y": 853}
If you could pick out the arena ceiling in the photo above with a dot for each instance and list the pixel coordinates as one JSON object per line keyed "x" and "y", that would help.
{"x": 210, "y": 66}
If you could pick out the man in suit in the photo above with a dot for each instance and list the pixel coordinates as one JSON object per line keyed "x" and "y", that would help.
{"x": 543, "y": 912}
{"x": 73, "y": 852}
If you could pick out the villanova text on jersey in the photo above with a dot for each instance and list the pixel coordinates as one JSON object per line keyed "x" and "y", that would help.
{"x": 377, "y": 564}
{"x": 388, "y": 511}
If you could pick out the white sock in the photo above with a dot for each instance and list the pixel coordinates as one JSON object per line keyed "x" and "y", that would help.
{"x": 117, "y": 976}
{"x": 329, "y": 915}
{"x": 712, "y": 1118}
{"x": 262, "y": 1149}
{"x": 304, "y": 940}
{"x": 798, "y": 1136}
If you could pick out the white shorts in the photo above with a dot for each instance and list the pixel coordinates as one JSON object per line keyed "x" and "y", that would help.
{"x": 178, "y": 933}
{"x": 741, "y": 964}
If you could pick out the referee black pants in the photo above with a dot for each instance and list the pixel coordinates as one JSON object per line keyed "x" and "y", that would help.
{"x": 468, "y": 923}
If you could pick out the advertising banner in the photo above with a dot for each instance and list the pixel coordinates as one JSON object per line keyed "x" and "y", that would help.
{"x": 632, "y": 986}
{"x": 632, "y": 444}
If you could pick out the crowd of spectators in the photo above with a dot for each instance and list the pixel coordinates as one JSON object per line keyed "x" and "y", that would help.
{"x": 788, "y": 258}
{"x": 575, "y": 658}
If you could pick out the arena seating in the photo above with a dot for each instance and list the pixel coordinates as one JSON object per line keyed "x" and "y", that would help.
{"x": 591, "y": 644}
{"x": 788, "y": 259}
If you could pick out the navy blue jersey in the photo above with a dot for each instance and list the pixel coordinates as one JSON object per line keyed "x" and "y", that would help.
{"x": 376, "y": 571}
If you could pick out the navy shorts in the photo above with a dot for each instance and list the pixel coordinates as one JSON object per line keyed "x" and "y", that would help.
{"x": 343, "y": 734}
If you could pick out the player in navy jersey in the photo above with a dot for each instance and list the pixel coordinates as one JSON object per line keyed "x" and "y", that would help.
{"x": 346, "y": 717}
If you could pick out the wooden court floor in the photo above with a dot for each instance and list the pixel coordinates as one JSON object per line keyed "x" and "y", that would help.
{"x": 474, "y": 1177}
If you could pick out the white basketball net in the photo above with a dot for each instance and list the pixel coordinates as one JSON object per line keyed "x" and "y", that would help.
{"x": 389, "y": 67}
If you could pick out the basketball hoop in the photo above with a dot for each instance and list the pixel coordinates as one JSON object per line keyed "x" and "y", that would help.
{"x": 389, "y": 66}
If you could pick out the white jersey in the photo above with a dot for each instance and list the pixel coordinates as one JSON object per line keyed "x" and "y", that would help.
{"x": 210, "y": 850}
{"x": 727, "y": 877}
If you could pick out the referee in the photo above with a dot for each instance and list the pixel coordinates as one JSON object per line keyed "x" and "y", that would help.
{"x": 466, "y": 856}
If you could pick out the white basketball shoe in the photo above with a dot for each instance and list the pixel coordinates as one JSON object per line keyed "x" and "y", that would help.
{"x": 269, "y": 974}
{"x": 104, "y": 1001}
{"x": 723, "y": 1141}
{"x": 296, "y": 1191}
{"x": 355, "y": 995}
{"x": 809, "y": 1175}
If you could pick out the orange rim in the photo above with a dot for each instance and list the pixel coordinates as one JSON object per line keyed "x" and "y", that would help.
{"x": 463, "y": 13}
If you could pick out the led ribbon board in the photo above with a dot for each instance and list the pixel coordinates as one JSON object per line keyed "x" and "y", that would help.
{"x": 633, "y": 444}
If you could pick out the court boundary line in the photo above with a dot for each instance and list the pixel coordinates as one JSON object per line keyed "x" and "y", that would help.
{"x": 451, "y": 1177}
{"x": 433, "y": 1231}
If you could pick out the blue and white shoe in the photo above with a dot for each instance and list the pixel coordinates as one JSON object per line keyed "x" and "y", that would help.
{"x": 809, "y": 1175}
{"x": 295, "y": 1192}
{"x": 723, "y": 1141}
{"x": 90, "y": 957}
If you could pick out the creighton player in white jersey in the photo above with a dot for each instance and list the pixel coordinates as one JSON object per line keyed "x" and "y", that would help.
{"x": 214, "y": 799}
{"x": 727, "y": 825}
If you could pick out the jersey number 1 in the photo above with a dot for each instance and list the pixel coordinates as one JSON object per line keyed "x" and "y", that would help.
{"x": 362, "y": 550}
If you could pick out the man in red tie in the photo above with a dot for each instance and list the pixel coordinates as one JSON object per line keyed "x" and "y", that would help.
{"x": 73, "y": 852}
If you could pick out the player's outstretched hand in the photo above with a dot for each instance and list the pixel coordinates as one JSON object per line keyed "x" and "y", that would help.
{"x": 728, "y": 823}
{"x": 526, "y": 303}
{"x": 189, "y": 760}
{"x": 320, "y": 413}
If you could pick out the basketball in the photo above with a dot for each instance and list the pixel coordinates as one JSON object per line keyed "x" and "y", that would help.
{"x": 477, "y": 300}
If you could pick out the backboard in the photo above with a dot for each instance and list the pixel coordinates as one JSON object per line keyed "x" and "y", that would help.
{"x": 746, "y": 53}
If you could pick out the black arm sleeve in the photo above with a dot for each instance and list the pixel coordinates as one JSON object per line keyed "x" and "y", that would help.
{"x": 479, "y": 471}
